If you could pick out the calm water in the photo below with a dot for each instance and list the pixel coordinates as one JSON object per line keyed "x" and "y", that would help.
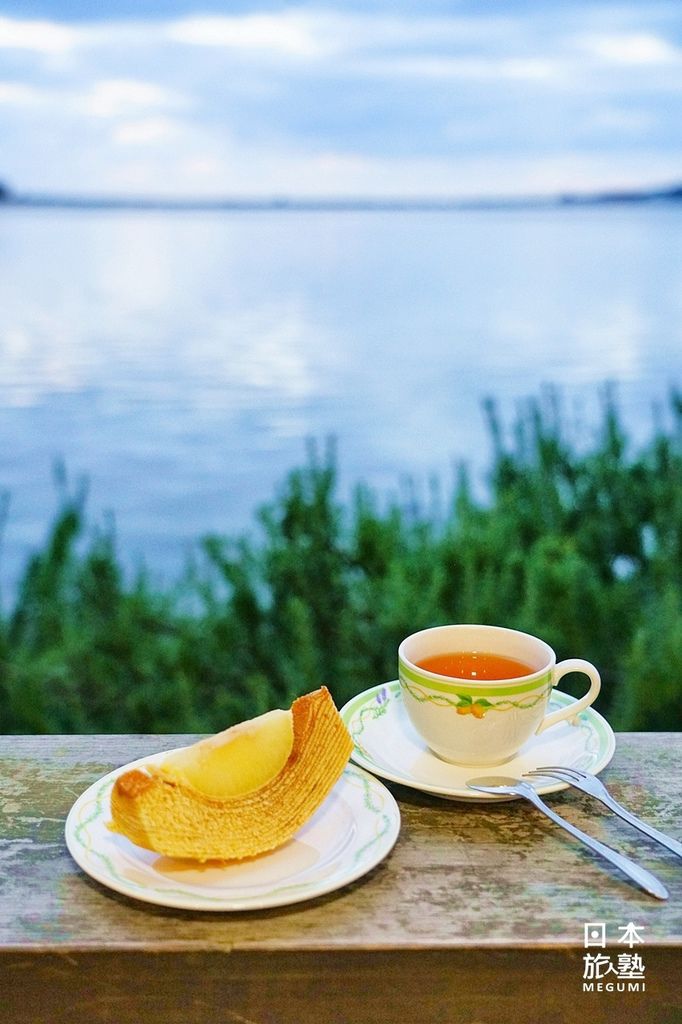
{"x": 181, "y": 360}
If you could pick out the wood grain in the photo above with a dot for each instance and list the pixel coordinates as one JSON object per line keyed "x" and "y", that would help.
{"x": 476, "y": 916}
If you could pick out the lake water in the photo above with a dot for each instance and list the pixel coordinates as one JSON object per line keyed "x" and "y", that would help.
{"x": 180, "y": 360}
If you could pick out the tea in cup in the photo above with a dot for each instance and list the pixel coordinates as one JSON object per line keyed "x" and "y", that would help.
{"x": 476, "y": 694}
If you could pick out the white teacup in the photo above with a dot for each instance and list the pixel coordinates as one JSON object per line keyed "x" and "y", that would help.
{"x": 484, "y": 721}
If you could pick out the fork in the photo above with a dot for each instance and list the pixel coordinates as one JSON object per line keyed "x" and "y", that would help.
{"x": 496, "y": 785}
{"x": 592, "y": 785}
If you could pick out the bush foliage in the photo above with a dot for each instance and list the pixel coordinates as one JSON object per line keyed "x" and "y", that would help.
{"x": 581, "y": 547}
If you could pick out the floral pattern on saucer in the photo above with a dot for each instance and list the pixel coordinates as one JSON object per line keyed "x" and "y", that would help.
{"x": 387, "y": 744}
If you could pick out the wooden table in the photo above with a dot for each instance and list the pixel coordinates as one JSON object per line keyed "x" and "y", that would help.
{"x": 477, "y": 916}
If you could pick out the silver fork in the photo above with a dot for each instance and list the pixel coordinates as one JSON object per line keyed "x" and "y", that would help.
{"x": 592, "y": 785}
{"x": 497, "y": 785}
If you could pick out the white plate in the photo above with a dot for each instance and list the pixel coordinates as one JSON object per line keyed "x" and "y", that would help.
{"x": 387, "y": 744}
{"x": 348, "y": 835}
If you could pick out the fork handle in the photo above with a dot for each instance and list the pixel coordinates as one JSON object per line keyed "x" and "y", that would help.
{"x": 638, "y": 874}
{"x": 648, "y": 830}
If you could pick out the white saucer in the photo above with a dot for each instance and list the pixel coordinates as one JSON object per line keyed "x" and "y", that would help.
{"x": 349, "y": 834}
{"x": 387, "y": 744}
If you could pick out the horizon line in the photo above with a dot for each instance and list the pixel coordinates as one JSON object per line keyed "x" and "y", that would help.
{"x": 339, "y": 202}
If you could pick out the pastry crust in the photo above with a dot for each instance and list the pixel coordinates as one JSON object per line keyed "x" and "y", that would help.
{"x": 172, "y": 817}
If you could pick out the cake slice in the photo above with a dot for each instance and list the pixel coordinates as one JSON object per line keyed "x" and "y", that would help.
{"x": 240, "y": 793}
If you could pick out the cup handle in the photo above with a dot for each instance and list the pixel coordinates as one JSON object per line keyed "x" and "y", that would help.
{"x": 560, "y": 670}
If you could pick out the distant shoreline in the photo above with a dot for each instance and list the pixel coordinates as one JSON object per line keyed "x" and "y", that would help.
{"x": 351, "y": 204}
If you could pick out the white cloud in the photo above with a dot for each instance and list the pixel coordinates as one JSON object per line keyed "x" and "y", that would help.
{"x": 120, "y": 96}
{"x": 146, "y": 132}
{"x": 15, "y": 94}
{"x": 327, "y": 102}
{"x": 238, "y": 169}
{"x": 619, "y": 119}
{"x": 111, "y": 99}
{"x": 474, "y": 68}
{"x": 40, "y": 36}
{"x": 632, "y": 49}
{"x": 289, "y": 33}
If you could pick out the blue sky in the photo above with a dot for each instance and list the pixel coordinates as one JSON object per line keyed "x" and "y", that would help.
{"x": 375, "y": 98}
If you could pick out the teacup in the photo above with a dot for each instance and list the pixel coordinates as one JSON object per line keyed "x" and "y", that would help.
{"x": 471, "y": 720}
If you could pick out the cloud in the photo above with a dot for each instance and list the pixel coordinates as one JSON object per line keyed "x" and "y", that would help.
{"x": 289, "y": 33}
{"x": 15, "y": 94}
{"x": 120, "y": 96}
{"x": 622, "y": 120}
{"x": 145, "y": 132}
{"x": 331, "y": 100}
{"x": 632, "y": 50}
{"x": 46, "y": 37}
{"x": 473, "y": 68}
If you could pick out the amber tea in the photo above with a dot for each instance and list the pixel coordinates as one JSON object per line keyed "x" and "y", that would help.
{"x": 476, "y": 694}
{"x": 475, "y": 665}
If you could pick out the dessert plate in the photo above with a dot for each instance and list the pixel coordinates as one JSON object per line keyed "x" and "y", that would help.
{"x": 387, "y": 744}
{"x": 348, "y": 835}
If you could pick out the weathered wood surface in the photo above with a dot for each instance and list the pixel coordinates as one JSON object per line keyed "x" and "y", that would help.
{"x": 476, "y": 916}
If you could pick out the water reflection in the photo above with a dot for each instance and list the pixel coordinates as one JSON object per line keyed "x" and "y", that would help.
{"x": 181, "y": 360}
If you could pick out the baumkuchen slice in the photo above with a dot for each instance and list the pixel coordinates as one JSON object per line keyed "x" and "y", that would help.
{"x": 239, "y": 793}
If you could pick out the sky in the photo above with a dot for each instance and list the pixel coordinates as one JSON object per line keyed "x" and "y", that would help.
{"x": 379, "y": 99}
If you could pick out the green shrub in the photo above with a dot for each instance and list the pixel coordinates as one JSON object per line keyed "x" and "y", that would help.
{"x": 581, "y": 545}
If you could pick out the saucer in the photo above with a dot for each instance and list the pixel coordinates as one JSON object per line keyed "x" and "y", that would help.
{"x": 387, "y": 744}
{"x": 348, "y": 835}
